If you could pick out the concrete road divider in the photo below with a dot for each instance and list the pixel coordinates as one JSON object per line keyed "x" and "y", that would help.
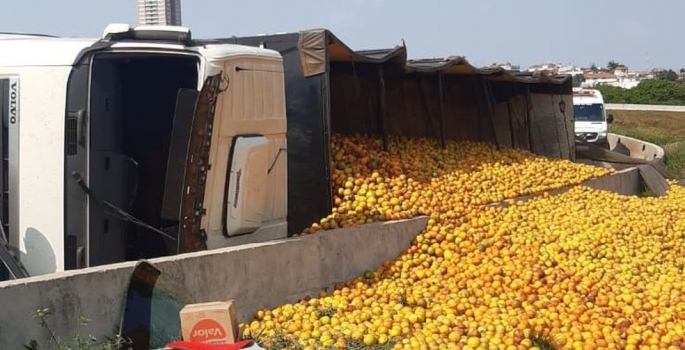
{"x": 255, "y": 275}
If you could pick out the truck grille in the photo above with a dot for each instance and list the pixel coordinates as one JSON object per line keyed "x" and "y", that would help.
{"x": 586, "y": 135}
{"x": 70, "y": 246}
{"x": 72, "y": 134}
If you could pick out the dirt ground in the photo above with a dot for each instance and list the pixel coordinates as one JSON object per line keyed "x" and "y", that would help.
{"x": 663, "y": 127}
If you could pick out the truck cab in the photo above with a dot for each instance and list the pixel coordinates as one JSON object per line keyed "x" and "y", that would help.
{"x": 591, "y": 119}
{"x": 139, "y": 144}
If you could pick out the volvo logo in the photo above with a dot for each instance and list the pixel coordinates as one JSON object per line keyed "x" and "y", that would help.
{"x": 14, "y": 101}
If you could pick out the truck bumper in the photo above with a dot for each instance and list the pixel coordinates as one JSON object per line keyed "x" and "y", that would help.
{"x": 599, "y": 141}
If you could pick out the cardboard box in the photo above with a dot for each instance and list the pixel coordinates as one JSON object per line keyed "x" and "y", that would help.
{"x": 210, "y": 323}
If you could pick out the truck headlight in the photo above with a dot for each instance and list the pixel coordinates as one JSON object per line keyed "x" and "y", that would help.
{"x": 602, "y": 134}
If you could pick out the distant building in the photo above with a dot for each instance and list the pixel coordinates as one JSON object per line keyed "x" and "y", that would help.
{"x": 644, "y": 74}
{"x": 619, "y": 78}
{"x": 159, "y": 12}
{"x": 597, "y": 78}
{"x": 570, "y": 70}
{"x": 621, "y": 71}
{"x": 549, "y": 67}
{"x": 506, "y": 66}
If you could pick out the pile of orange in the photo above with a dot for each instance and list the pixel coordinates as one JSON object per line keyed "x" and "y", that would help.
{"x": 585, "y": 269}
{"x": 417, "y": 177}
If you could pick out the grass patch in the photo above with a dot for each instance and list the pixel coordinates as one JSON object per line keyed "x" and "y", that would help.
{"x": 359, "y": 345}
{"x": 666, "y": 129}
{"x": 675, "y": 158}
{"x": 78, "y": 341}
{"x": 280, "y": 341}
{"x": 543, "y": 341}
{"x": 646, "y": 192}
{"x": 325, "y": 312}
{"x": 662, "y": 127}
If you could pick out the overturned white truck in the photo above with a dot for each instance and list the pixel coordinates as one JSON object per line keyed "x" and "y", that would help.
{"x": 147, "y": 142}
{"x": 142, "y": 143}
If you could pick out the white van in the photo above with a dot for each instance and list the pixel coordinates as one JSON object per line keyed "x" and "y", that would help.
{"x": 591, "y": 119}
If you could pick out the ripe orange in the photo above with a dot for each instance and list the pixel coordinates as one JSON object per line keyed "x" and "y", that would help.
{"x": 590, "y": 269}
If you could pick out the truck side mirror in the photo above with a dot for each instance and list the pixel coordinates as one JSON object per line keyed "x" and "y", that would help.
{"x": 610, "y": 118}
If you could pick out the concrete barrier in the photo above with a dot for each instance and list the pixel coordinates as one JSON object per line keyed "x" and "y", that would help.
{"x": 639, "y": 149}
{"x": 624, "y": 182}
{"x": 256, "y": 275}
{"x": 632, "y": 107}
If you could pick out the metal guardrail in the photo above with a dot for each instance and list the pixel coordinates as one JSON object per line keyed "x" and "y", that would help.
{"x": 631, "y": 107}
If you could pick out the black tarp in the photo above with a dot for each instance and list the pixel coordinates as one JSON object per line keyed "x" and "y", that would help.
{"x": 332, "y": 88}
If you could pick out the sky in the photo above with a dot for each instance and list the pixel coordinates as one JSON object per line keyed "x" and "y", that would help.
{"x": 641, "y": 34}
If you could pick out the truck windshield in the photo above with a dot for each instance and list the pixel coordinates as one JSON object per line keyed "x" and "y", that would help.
{"x": 589, "y": 113}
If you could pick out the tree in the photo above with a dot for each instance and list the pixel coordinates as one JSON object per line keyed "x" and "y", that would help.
{"x": 669, "y": 75}
{"x": 611, "y": 66}
{"x": 593, "y": 67}
{"x": 577, "y": 80}
{"x": 613, "y": 94}
{"x": 651, "y": 92}
{"x": 682, "y": 70}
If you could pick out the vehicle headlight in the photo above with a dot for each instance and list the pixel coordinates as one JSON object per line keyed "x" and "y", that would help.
{"x": 602, "y": 134}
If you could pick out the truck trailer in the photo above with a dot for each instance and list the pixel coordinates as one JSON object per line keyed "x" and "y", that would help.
{"x": 147, "y": 142}
{"x": 142, "y": 143}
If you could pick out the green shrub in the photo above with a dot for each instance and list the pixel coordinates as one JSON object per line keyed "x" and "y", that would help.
{"x": 78, "y": 341}
{"x": 648, "y": 92}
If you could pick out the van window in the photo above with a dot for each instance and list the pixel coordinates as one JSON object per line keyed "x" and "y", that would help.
{"x": 589, "y": 113}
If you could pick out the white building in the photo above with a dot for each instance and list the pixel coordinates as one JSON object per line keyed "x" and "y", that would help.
{"x": 549, "y": 67}
{"x": 506, "y": 66}
{"x": 621, "y": 71}
{"x": 159, "y": 12}
{"x": 570, "y": 70}
{"x": 621, "y": 77}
